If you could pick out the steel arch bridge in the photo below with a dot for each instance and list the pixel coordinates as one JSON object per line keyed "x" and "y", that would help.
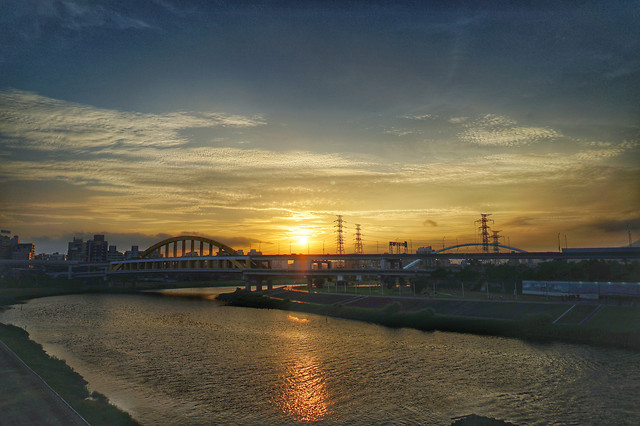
{"x": 480, "y": 245}
{"x": 173, "y": 254}
{"x": 157, "y": 247}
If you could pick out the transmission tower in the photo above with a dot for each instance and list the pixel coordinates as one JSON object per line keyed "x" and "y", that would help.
{"x": 484, "y": 230}
{"x": 339, "y": 237}
{"x": 359, "y": 245}
{"x": 496, "y": 241}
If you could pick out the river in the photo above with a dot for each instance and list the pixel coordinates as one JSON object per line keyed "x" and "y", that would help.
{"x": 173, "y": 360}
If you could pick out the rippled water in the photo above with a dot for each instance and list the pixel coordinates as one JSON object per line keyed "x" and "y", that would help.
{"x": 170, "y": 360}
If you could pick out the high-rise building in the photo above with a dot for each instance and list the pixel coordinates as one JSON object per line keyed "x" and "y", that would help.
{"x": 77, "y": 250}
{"x": 97, "y": 249}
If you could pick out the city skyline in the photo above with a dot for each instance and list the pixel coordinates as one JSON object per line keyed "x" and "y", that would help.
{"x": 257, "y": 123}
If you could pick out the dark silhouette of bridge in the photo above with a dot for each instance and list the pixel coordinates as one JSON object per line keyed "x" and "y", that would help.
{"x": 190, "y": 254}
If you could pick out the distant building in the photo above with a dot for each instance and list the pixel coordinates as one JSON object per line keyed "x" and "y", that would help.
{"x": 113, "y": 255}
{"x": 97, "y": 249}
{"x": 24, "y": 251}
{"x": 53, "y": 256}
{"x": 134, "y": 253}
{"x": 11, "y": 248}
{"x": 77, "y": 250}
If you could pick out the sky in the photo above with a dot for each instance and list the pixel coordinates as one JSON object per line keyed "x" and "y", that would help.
{"x": 256, "y": 123}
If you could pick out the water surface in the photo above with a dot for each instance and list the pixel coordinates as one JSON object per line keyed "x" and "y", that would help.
{"x": 173, "y": 360}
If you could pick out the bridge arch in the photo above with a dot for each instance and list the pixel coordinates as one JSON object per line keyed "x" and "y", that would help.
{"x": 479, "y": 244}
{"x": 184, "y": 238}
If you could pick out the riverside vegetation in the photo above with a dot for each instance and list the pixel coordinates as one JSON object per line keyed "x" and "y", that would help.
{"x": 614, "y": 326}
{"x": 94, "y": 406}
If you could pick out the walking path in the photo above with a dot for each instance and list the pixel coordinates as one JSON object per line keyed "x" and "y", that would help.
{"x": 26, "y": 399}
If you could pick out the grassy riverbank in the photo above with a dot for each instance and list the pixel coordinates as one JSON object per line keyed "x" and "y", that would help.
{"x": 612, "y": 326}
{"x": 14, "y": 293}
{"x": 94, "y": 407}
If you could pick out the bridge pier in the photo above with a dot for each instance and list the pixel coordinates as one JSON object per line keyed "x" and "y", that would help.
{"x": 269, "y": 285}
{"x": 258, "y": 284}
{"x": 309, "y": 285}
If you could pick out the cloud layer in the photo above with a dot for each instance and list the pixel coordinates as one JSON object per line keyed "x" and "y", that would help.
{"x": 126, "y": 172}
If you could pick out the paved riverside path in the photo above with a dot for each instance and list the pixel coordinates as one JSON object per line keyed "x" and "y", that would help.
{"x": 25, "y": 399}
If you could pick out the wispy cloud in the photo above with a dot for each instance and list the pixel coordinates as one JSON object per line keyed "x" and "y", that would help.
{"x": 144, "y": 172}
{"x": 502, "y": 131}
{"x": 31, "y": 121}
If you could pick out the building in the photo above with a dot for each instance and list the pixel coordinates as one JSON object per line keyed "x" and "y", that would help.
{"x": 97, "y": 249}
{"x": 113, "y": 255}
{"x": 77, "y": 250}
{"x": 24, "y": 251}
{"x": 134, "y": 253}
{"x": 11, "y": 248}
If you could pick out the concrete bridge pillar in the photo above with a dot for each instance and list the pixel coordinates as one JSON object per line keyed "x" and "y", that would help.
{"x": 269, "y": 285}
{"x": 247, "y": 285}
{"x": 259, "y": 284}
{"x": 309, "y": 284}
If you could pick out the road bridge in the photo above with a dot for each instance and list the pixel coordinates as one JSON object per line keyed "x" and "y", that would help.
{"x": 194, "y": 254}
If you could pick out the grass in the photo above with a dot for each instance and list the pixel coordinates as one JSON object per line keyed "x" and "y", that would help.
{"x": 94, "y": 407}
{"x": 612, "y": 326}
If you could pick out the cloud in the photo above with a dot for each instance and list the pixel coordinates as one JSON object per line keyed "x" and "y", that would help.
{"x": 614, "y": 225}
{"x": 400, "y": 132}
{"x": 520, "y": 221}
{"x": 495, "y": 130}
{"x": 31, "y": 121}
{"x": 420, "y": 117}
{"x": 81, "y": 167}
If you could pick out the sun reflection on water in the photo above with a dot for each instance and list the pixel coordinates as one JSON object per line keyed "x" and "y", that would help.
{"x": 296, "y": 319}
{"x": 304, "y": 395}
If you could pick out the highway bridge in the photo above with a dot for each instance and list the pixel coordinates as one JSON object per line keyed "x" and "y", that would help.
{"x": 189, "y": 254}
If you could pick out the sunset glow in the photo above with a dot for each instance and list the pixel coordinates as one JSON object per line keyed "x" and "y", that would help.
{"x": 145, "y": 121}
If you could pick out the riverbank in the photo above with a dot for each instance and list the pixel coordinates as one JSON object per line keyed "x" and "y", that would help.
{"x": 94, "y": 407}
{"x": 31, "y": 402}
{"x": 610, "y": 326}
{"x": 12, "y": 295}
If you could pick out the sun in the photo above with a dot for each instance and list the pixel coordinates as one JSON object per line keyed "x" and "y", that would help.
{"x": 303, "y": 240}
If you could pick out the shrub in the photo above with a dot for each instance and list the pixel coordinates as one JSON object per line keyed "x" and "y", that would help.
{"x": 392, "y": 308}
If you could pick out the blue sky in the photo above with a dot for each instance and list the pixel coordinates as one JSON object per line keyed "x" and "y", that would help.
{"x": 257, "y": 122}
